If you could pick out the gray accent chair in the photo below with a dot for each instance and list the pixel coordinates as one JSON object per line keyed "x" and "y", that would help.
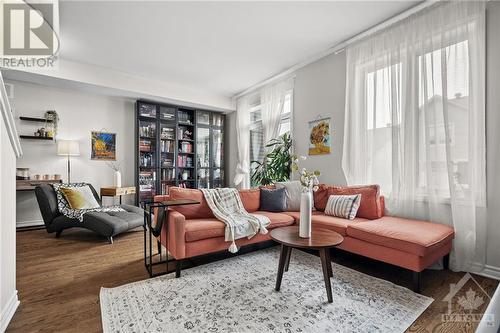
{"x": 107, "y": 224}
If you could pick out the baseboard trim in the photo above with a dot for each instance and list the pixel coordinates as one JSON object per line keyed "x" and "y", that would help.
{"x": 489, "y": 271}
{"x": 34, "y": 223}
{"x": 9, "y": 311}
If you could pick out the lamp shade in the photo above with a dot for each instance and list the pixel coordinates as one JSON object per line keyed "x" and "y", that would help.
{"x": 68, "y": 148}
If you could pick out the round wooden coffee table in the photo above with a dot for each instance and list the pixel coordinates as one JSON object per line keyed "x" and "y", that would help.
{"x": 321, "y": 239}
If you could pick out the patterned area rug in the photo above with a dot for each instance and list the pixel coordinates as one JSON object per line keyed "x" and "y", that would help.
{"x": 237, "y": 295}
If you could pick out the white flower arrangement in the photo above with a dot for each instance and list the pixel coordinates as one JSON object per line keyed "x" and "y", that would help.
{"x": 308, "y": 180}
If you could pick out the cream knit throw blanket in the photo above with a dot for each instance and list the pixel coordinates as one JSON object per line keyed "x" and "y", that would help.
{"x": 227, "y": 207}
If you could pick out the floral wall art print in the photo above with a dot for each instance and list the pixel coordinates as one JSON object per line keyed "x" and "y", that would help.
{"x": 103, "y": 146}
{"x": 319, "y": 137}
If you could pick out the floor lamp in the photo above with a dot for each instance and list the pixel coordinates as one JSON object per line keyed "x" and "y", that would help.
{"x": 68, "y": 148}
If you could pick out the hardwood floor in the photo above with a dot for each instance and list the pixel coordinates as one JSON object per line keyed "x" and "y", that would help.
{"x": 59, "y": 280}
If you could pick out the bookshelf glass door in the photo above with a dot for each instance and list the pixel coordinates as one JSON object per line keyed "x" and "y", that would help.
{"x": 217, "y": 150}
{"x": 203, "y": 147}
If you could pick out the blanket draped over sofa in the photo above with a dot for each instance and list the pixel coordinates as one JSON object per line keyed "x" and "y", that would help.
{"x": 227, "y": 207}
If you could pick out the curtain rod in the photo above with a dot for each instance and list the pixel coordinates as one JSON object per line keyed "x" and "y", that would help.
{"x": 337, "y": 48}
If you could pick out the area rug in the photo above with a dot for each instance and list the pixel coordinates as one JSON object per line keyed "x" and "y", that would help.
{"x": 237, "y": 295}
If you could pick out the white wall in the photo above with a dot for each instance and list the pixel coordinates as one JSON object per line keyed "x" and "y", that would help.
{"x": 320, "y": 91}
{"x": 79, "y": 113}
{"x": 8, "y": 293}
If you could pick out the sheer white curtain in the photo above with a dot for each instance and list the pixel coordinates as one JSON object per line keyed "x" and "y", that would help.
{"x": 242, "y": 177}
{"x": 415, "y": 121}
{"x": 272, "y": 101}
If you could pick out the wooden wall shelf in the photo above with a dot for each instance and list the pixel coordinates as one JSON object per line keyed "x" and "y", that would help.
{"x": 32, "y": 137}
{"x": 40, "y": 120}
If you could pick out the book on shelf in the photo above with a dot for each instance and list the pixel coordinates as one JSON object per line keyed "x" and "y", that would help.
{"x": 185, "y": 117}
{"x": 186, "y": 147}
{"x": 167, "y": 162}
{"x": 167, "y": 133}
{"x": 167, "y": 146}
{"x": 168, "y": 175}
{"x": 145, "y": 145}
{"x": 165, "y": 188}
{"x": 184, "y": 161}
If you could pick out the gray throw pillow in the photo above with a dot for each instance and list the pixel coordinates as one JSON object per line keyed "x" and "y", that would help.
{"x": 293, "y": 191}
{"x": 272, "y": 200}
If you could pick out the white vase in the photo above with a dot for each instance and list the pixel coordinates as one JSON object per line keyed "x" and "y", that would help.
{"x": 117, "y": 181}
{"x": 305, "y": 215}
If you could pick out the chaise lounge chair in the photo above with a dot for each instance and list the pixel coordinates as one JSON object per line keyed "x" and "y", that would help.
{"x": 107, "y": 224}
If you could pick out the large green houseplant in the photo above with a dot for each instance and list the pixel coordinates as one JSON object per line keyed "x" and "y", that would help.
{"x": 276, "y": 165}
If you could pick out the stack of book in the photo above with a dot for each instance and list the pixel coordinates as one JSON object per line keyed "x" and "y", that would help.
{"x": 145, "y": 145}
{"x": 186, "y": 147}
{"x": 185, "y": 161}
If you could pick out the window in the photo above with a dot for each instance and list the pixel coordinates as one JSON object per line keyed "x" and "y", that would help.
{"x": 441, "y": 122}
{"x": 257, "y": 144}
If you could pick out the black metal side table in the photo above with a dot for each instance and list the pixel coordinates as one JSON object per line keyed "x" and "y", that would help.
{"x": 162, "y": 217}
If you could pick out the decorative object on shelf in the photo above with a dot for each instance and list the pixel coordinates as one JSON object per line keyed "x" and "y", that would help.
{"x": 52, "y": 118}
{"x": 185, "y": 175}
{"x": 276, "y": 164}
{"x": 117, "y": 176}
{"x": 22, "y": 173}
{"x": 103, "y": 146}
{"x": 68, "y": 148}
{"x": 309, "y": 181}
{"x": 319, "y": 138}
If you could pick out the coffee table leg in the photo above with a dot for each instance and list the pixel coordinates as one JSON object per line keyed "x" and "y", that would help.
{"x": 324, "y": 263}
{"x": 281, "y": 266}
{"x": 288, "y": 255}
{"x": 329, "y": 263}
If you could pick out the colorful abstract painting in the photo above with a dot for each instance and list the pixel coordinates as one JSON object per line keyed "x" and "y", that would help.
{"x": 319, "y": 138}
{"x": 103, "y": 146}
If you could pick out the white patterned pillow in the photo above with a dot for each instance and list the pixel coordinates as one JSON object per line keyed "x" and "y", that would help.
{"x": 345, "y": 206}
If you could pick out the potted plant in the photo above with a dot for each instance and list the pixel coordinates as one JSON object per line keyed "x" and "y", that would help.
{"x": 276, "y": 165}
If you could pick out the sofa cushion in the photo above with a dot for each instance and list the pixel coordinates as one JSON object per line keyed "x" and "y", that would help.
{"x": 370, "y": 206}
{"x": 198, "y": 229}
{"x": 321, "y": 197}
{"x": 337, "y": 224}
{"x": 412, "y": 236}
{"x": 272, "y": 200}
{"x": 296, "y": 215}
{"x": 250, "y": 199}
{"x": 197, "y": 211}
{"x": 293, "y": 192}
{"x": 277, "y": 219}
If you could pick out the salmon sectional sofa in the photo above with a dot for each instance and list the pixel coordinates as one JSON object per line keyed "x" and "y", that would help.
{"x": 412, "y": 244}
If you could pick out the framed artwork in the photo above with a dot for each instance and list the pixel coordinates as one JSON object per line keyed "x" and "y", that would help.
{"x": 319, "y": 137}
{"x": 103, "y": 146}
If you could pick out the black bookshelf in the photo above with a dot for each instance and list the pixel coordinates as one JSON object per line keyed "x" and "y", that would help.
{"x": 177, "y": 146}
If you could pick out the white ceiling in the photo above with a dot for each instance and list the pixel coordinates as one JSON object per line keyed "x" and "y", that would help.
{"x": 220, "y": 47}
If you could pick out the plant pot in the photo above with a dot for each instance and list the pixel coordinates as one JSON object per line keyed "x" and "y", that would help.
{"x": 117, "y": 179}
{"x": 305, "y": 215}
